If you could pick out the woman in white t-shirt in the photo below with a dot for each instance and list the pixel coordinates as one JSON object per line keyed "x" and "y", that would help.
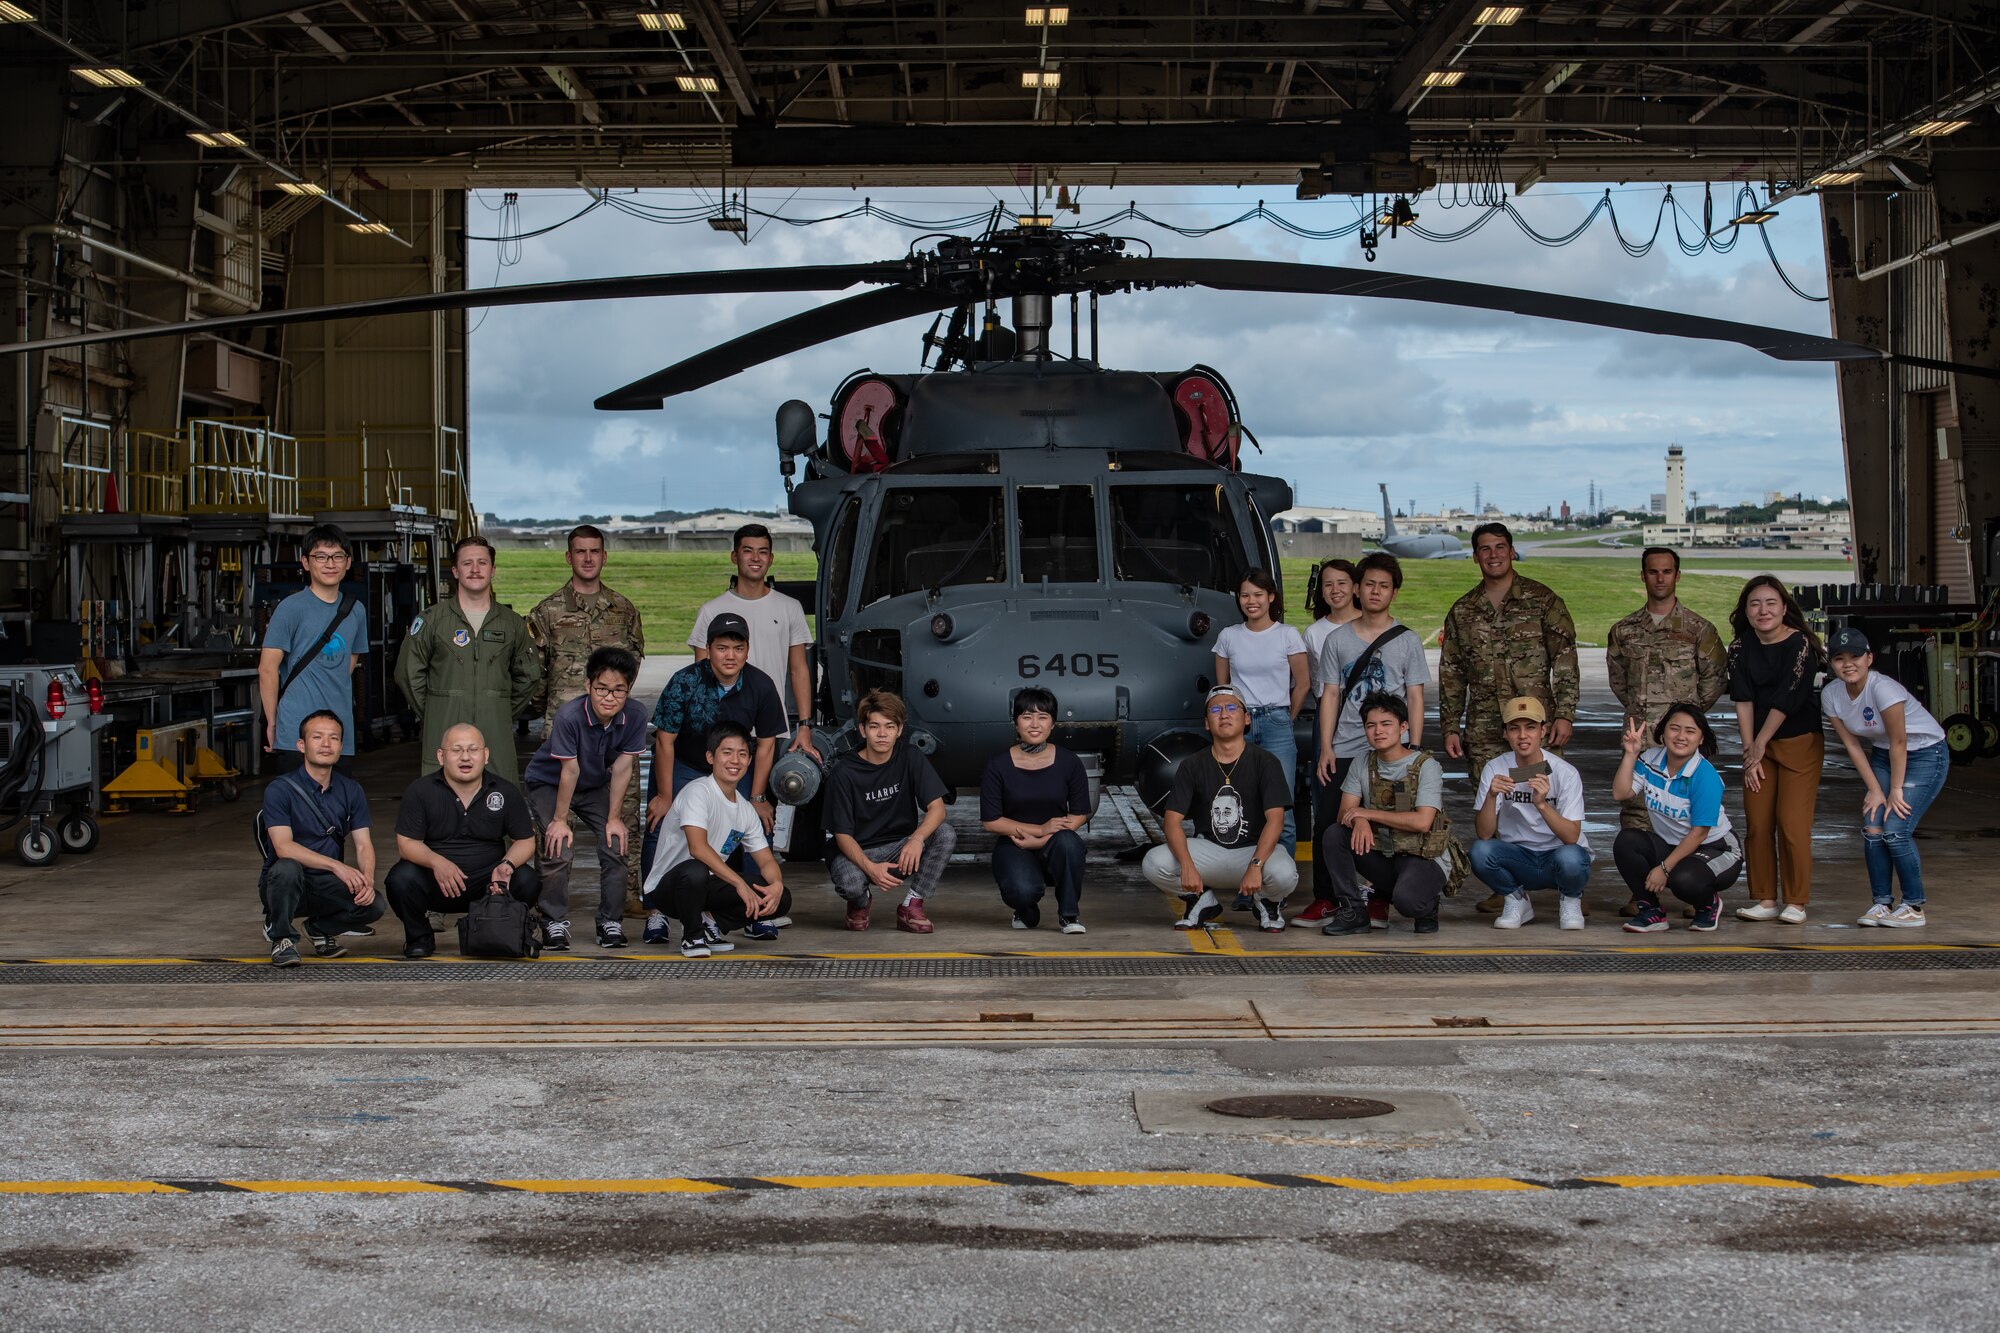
{"x": 1904, "y": 765}
{"x": 1265, "y": 659}
{"x": 1330, "y": 597}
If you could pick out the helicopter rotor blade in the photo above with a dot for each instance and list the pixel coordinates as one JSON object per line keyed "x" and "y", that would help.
{"x": 815, "y": 278}
{"x": 809, "y": 328}
{"x": 1256, "y": 275}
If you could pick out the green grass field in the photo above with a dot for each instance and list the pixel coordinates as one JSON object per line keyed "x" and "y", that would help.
{"x": 669, "y": 587}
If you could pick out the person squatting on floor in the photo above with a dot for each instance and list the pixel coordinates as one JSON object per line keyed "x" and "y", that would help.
{"x": 1774, "y": 664}
{"x": 1034, "y": 798}
{"x": 1237, "y": 797}
{"x": 713, "y": 870}
{"x": 581, "y": 774}
{"x": 1904, "y": 767}
{"x": 885, "y": 810}
{"x": 462, "y": 831}
{"x": 307, "y": 817}
{"x": 1391, "y": 827}
{"x": 1690, "y": 848}
{"x": 1529, "y": 818}
{"x": 1265, "y": 660}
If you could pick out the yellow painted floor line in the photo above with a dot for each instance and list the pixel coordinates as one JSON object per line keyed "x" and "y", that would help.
{"x": 1084, "y": 1180}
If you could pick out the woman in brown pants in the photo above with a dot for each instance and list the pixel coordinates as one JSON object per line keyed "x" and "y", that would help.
{"x": 1774, "y": 664}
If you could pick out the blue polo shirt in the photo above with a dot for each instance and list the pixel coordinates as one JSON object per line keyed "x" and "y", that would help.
{"x": 1680, "y": 800}
{"x": 575, "y": 733}
{"x": 289, "y": 802}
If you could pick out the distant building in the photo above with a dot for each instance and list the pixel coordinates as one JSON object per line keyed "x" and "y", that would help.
{"x": 1675, "y": 509}
{"x": 1657, "y": 505}
{"x": 1679, "y": 535}
{"x": 1824, "y": 530}
{"x": 1304, "y": 518}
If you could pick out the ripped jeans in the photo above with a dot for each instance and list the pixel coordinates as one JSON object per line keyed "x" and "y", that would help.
{"x": 1887, "y": 841}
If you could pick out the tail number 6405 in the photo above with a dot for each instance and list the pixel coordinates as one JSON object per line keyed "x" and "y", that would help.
{"x": 1031, "y": 665}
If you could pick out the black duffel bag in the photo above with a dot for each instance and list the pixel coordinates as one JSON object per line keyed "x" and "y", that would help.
{"x": 499, "y": 926}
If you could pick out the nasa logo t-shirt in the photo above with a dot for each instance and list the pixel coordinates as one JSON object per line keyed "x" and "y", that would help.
{"x": 1225, "y": 803}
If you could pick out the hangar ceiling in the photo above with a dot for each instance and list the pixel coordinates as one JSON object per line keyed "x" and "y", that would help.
{"x": 450, "y": 93}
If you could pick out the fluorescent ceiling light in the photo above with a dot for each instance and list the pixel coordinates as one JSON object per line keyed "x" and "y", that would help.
{"x": 106, "y": 76}
{"x": 14, "y": 14}
{"x": 1826, "y": 178}
{"x": 1444, "y": 78}
{"x": 698, "y": 83}
{"x": 1041, "y": 78}
{"x": 662, "y": 20}
{"x": 1500, "y": 16}
{"x": 371, "y": 228}
{"x": 215, "y": 139}
{"x": 1035, "y": 220}
{"x": 1937, "y": 129}
{"x": 1755, "y": 217}
{"x": 302, "y": 187}
{"x": 1047, "y": 16}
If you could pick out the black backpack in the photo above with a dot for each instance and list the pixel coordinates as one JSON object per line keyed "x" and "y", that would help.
{"x": 497, "y": 925}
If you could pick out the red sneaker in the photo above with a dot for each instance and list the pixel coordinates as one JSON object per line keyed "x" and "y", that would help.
{"x": 911, "y": 917}
{"x": 1378, "y": 914}
{"x": 857, "y": 915}
{"x": 1314, "y": 914}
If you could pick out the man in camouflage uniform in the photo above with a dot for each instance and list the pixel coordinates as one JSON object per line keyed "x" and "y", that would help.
{"x": 568, "y": 626}
{"x": 1662, "y": 654}
{"x": 1507, "y": 638}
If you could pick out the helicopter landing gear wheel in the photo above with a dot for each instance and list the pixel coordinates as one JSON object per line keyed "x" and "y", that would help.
{"x": 36, "y": 846}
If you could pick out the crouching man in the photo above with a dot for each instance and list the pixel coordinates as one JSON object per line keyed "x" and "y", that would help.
{"x": 1235, "y": 796}
{"x": 713, "y": 870}
{"x": 1391, "y": 827}
{"x": 462, "y": 832}
{"x": 308, "y": 816}
{"x": 1529, "y": 817}
{"x": 886, "y": 812}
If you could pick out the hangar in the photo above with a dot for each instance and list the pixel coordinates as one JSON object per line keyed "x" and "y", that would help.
{"x": 173, "y": 159}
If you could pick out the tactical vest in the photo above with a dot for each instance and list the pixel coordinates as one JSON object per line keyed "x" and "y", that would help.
{"x": 1382, "y": 795}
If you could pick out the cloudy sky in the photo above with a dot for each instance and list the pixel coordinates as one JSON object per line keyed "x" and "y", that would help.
{"x": 1342, "y": 393}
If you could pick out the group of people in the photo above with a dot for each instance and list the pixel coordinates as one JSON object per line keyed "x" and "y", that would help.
{"x": 1508, "y": 684}
{"x": 695, "y": 851}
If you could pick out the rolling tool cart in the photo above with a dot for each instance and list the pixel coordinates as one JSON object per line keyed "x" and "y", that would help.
{"x": 49, "y": 724}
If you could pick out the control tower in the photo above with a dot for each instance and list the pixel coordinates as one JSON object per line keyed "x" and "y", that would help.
{"x": 1677, "y": 502}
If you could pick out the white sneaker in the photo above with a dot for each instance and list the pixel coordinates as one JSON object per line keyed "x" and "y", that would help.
{"x": 1876, "y": 915}
{"x": 1071, "y": 926}
{"x": 1203, "y": 909}
{"x": 1792, "y": 915}
{"x": 1017, "y": 923}
{"x": 1571, "y": 917}
{"x": 1758, "y": 912}
{"x": 1517, "y": 913}
{"x": 1906, "y": 915}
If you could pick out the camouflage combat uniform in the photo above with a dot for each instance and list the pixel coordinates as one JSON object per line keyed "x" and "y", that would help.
{"x": 1679, "y": 660}
{"x": 1488, "y": 656}
{"x": 568, "y": 627}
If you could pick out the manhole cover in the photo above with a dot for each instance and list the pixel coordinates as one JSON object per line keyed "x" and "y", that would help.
{"x": 1299, "y": 1107}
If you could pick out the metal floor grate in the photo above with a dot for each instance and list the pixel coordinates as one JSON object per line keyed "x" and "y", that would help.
{"x": 762, "y": 970}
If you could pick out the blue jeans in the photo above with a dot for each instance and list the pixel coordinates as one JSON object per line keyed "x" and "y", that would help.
{"x": 1271, "y": 729}
{"x": 1023, "y": 873}
{"x": 1508, "y": 867}
{"x": 1888, "y": 844}
{"x": 682, "y": 776}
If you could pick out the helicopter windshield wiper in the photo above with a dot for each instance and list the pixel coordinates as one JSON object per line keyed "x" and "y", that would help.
{"x": 937, "y": 589}
{"x": 1166, "y": 575}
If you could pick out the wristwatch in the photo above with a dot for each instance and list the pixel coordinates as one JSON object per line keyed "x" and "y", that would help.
{"x": 762, "y": 798}
{"x": 1256, "y": 863}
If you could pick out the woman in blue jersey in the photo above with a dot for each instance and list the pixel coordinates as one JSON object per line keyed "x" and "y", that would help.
{"x": 1690, "y": 849}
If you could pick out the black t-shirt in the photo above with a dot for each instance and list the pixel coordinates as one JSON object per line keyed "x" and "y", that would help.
{"x": 1033, "y": 795}
{"x": 878, "y": 803}
{"x": 1226, "y": 804}
{"x": 1782, "y": 676}
{"x": 472, "y": 837}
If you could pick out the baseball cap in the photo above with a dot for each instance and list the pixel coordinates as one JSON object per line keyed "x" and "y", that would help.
{"x": 1223, "y": 692}
{"x": 729, "y": 625}
{"x": 1847, "y": 640}
{"x": 1525, "y": 706}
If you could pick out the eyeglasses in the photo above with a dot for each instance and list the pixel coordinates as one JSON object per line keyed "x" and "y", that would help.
{"x": 465, "y": 751}
{"x": 328, "y": 557}
{"x": 1224, "y": 710}
{"x": 610, "y": 691}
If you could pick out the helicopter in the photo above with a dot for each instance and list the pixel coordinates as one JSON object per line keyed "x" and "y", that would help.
{"x": 1415, "y": 545}
{"x": 1012, "y": 516}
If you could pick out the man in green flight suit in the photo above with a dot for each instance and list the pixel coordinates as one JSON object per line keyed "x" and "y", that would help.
{"x": 469, "y": 659}
{"x": 1507, "y": 638}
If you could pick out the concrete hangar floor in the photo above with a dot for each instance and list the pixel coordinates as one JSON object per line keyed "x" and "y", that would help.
{"x": 1790, "y": 1127}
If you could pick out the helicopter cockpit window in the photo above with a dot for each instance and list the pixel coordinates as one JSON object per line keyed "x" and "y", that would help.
{"x": 1058, "y": 533}
{"x": 1184, "y": 535}
{"x": 936, "y": 537}
{"x": 840, "y": 560}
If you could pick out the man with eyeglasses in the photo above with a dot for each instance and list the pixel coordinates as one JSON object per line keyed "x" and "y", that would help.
{"x": 1223, "y": 820}
{"x": 581, "y": 774}
{"x": 311, "y": 646}
{"x": 463, "y": 831}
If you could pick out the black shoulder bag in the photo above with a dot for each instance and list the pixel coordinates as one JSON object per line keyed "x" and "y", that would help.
{"x": 340, "y": 613}
{"x": 497, "y": 925}
{"x": 1361, "y": 663}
